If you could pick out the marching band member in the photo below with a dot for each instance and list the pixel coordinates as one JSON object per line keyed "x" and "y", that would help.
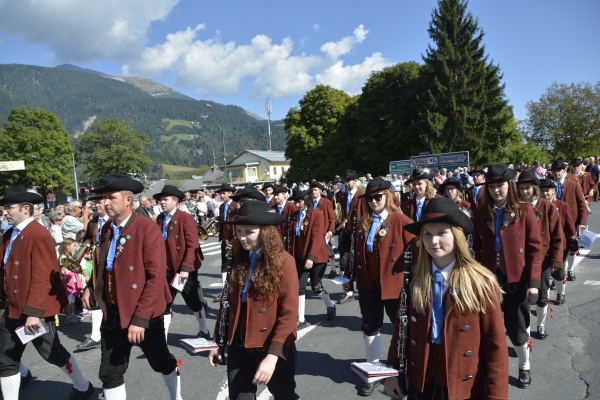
{"x": 583, "y": 178}
{"x": 507, "y": 240}
{"x": 379, "y": 261}
{"x": 473, "y": 193}
{"x": 226, "y": 211}
{"x": 32, "y": 292}
{"x": 248, "y": 193}
{"x": 570, "y": 244}
{"x": 451, "y": 189}
{"x": 326, "y": 207}
{"x": 184, "y": 256}
{"x": 309, "y": 251}
{"x": 286, "y": 209}
{"x": 131, "y": 289}
{"x": 456, "y": 334}
{"x": 352, "y": 212}
{"x": 423, "y": 190}
{"x": 262, "y": 310}
{"x": 268, "y": 190}
{"x": 552, "y": 242}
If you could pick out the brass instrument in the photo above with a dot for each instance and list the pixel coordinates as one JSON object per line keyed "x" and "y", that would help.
{"x": 338, "y": 212}
{"x": 74, "y": 264}
{"x": 209, "y": 226}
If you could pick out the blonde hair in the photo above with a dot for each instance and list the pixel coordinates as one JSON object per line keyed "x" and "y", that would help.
{"x": 471, "y": 284}
{"x": 365, "y": 222}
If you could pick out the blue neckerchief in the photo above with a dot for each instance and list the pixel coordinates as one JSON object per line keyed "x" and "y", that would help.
{"x": 253, "y": 258}
{"x": 101, "y": 222}
{"x": 112, "y": 250}
{"x": 437, "y": 311}
{"x": 13, "y": 235}
{"x": 374, "y": 228}
{"x": 419, "y": 210}
{"x": 315, "y": 204}
{"x": 165, "y": 224}
{"x": 497, "y": 227}
{"x": 349, "y": 202}
{"x": 225, "y": 211}
{"x": 301, "y": 216}
{"x": 559, "y": 191}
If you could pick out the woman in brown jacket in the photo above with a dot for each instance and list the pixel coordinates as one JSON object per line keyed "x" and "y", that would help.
{"x": 456, "y": 347}
{"x": 263, "y": 308}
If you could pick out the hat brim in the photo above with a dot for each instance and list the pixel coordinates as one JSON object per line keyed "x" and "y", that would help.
{"x": 157, "y": 196}
{"x": 255, "y": 194}
{"x": 122, "y": 184}
{"x": 455, "y": 218}
{"x": 22, "y": 197}
{"x": 507, "y": 176}
{"x": 257, "y": 218}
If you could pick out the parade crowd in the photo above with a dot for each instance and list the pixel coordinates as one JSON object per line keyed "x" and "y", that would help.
{"x": 457, "y": 260}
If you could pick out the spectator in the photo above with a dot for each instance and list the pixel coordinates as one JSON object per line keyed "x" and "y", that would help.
{"x": 73, "y": 284}
{"x": 71, "y": 222}
{"x": 56, "y": 218}
{"x": 201, "y": 208}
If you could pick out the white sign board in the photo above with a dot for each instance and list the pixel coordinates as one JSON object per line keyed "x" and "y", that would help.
{"x": 12, "y": 165}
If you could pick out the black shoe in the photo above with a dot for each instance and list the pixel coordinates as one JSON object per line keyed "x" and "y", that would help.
{"x": 77, "y": 395}
{"x": 571, "y": 276}
{"x": 332, "y": 274}
{"x": 542, "y": 334}
{"x": 26, "y": 379}
{"x": 204, "y": 335}
{"x": 524, "y": 378}
{"x": 217, "y": 299}
{"x": 553, "y": 285}
{"x": 346, "y": 298}
{"x": 88, "y": 344}
{"x": 301, "y": 325}
{"x": 368, "y": 388}
{"x": 331, "y": 313}
{"x": 560, "y": 299}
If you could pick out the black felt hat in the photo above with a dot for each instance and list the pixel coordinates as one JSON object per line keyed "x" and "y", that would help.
{"x": 547, "y": 183}
{"x": 170, "y": 190}
{"x": 226, "y": 187}
{"x": 249, "y": 192}
{"x": 317, "y": 184}
{"x": 298, "y": 194}
{"x": 528, "y": 177}
{"x": 441, "y": 209}
{"x": 418, "y": 174}
{"x": 255, "y": 213}
{"x": 119, "y": 182}
{"x": 18, "y": 194}
{"x": 498, "y": 173}
{"x": 478, "y": 169}
{"x": 450, "y": 182}
{"x": 280, "y": 189}
{"x": 268, "y": 184}
{"x": 577, "y": 161}
{"x": 376, "y": 185}
{"x": 351, "y": 175}
{"x": 560, "y": 163}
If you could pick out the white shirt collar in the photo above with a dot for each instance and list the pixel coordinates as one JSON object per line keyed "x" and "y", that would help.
{"x": 384, "y": 215}
{"x": 445, "y": 272}
{"x": 122, "y": 223}
{"x": 24, "y": 224}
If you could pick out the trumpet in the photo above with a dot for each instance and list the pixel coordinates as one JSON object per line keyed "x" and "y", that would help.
{"x": 209, "y": 226}
{"x": 74, "y": 264}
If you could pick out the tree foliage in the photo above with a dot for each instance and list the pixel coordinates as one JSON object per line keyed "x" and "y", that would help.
{"x": 463, "y": 105}
{"x": 309, "y": 130}
{"x": 113, "y": 146}
{"x": 37, "y": 137}
{"x": 566, "y": 120}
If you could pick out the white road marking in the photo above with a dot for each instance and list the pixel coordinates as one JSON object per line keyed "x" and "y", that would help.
{"x": 211, "y": 253}
{"x": 219, "y": 285}
{"x": 592, "y": 283}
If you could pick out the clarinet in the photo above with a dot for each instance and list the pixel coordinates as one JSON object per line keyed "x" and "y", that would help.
{"x": 351, "y": 261}
{"x": 403, "y": 315}
{"x": 288, "y": 238}
{"x": 224, "y": 322}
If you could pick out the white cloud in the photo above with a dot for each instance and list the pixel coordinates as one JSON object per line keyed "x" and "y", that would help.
{"x": 316, "y": 28}
{"x": 344, "y": 46}
{"x": 352, "y": 78}
{"x": 81, "y": 31}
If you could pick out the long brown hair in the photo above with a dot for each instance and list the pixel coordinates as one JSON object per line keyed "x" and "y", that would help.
{"x": 268, "y": 270}
{"x": 365, "y": 222}
{"x": 471, "y": 284}
{"x": 513, "y": 204}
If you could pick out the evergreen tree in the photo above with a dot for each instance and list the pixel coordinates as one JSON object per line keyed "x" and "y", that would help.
{"x": 463, "y": 105}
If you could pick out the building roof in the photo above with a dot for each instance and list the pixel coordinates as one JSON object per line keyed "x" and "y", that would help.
{"x": 274, "y": 156}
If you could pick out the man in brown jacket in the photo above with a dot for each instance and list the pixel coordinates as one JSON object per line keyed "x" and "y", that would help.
{"x": 31, "y": 298}
{"x": 131, "y": 289}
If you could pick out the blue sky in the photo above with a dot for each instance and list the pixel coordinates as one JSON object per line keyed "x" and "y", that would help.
{"x": 243, "y": 52}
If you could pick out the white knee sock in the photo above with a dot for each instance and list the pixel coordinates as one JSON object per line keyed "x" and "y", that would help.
{"x": 560, "y": 287}
{"x": 10, "y": 387}
{"x": 167, "y": 321}
{"x": 326, "y": 299}
{"x": 201, "y": 321}
{"x": 96, "y": 322}
{"x": 23, "y": 369}
{"x": 173, "y": 384}
{"x": 373, "y": 347}
{"x": 74, "y": 373}
{"x": 570, "y": 263}
{"x": 117, "y": 393}
{"x": 301, "y": 306}
{"x": 224, "y": 276}
{"x": 523, "y": 353}
{"x": 541, "y": 315}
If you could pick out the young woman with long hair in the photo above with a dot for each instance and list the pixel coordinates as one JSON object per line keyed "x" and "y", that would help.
{"x": 381, "y": 241}
{"x": 263, "y": 308}
{"x": 507, "y": 240}
{"x": 422, "y": 190}
{"x": 456, "y": 341}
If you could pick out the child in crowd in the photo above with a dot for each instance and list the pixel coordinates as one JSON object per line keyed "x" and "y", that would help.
{"x": 72, "y": 281}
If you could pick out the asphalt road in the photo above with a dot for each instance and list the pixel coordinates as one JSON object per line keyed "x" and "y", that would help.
{"x": 564, "y": 366}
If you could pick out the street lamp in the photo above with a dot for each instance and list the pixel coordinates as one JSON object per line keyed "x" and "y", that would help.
{"x": 220, "y": 125}
{"x": 268, "y": 110}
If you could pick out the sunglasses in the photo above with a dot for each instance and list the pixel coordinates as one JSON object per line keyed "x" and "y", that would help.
{"x": 476, "y": 175}
{"x": 376, "y": 197}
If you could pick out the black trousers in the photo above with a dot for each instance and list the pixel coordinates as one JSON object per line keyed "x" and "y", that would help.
{"x": 544, "y": 287}
{"x": 516, "y": 310}
{"x": 316, "y": 276}
{"x": 242, "y": 364}
{"x": 190, "y": 293}
{"x": 116, "y": 350}
{"x": 431, "y": 391}
{"x": 372, "y": 307}
{"x": 11, "y": 349}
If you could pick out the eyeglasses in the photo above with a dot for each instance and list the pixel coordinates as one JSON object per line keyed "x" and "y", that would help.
{"x": 476, "y": 175}
{"x": 376, "y": 197}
